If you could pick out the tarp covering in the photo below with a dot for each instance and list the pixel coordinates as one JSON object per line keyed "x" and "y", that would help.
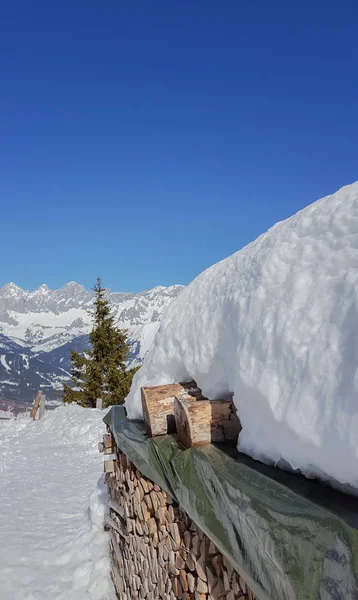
{"x": 288, "y": 537}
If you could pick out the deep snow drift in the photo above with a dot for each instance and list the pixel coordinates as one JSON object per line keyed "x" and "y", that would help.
{"x": 52, "y": 501}
{"x": 277, "y": 324}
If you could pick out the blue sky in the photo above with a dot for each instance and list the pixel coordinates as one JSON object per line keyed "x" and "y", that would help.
{"x": 145, "y": 141}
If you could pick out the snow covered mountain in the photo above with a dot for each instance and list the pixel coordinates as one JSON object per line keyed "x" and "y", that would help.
{"x": 277, "y": 324}
{"x": 37, "y": 330}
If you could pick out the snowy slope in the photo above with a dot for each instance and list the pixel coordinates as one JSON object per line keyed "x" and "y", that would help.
{"x": 52, "y": 499}
{"x": 41, "y": 326}
{"x": 277, "y": 324}
{"x": 22, "y": 373}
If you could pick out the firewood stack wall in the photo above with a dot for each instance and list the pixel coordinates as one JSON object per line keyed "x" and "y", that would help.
{"x": 157, "y": 552}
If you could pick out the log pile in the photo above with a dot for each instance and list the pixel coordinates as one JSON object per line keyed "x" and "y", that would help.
{"x": 157, "y": 552}
{"x": 158, "y": 405}
{"x": 181, "y": 408}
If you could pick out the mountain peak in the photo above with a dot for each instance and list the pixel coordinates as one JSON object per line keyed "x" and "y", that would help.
{"x": 43, "y": 288}
{"x": 11, "y": 289}
{"x": 72, "y": 289}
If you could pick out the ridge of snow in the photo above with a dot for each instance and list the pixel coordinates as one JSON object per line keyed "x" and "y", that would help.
{"x": 11, "y": 288}
{"x": 277, "y": 324}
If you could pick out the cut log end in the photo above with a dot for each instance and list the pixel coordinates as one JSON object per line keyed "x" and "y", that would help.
{"x": 109, "y": 466}
{"x": 205, "y": 421}
{"x": 158, "y": 405}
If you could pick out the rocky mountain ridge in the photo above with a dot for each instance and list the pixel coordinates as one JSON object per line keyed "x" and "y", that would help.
{"x": 38, "y": 328}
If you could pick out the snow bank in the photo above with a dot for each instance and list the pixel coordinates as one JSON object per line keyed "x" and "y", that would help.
{"x": 52, "y": 499}
{"x": 277, "y": 324}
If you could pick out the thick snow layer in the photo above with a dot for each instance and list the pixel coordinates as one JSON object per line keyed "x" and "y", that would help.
{"x": 147, "y": 336}
{"x": 277, "y": 324}
{"x": 52, "y": 500}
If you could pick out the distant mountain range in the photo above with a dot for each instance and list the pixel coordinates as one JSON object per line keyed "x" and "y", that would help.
{"x": 37, "y": 330}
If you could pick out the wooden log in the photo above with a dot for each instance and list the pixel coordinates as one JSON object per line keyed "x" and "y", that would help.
{"x": 230, "y": 570}
{"x": 115, "y": 547}
{"x": 158, "y": 405}
{"x": 195, "y": 544}
{"x": 148, "y": 501}
{"x": 174, "y": 532}
{"x": 211, "y": 579}
{"x": 35, "y": 405}
{"x": 184, "y": 580}
{"x": 145, "y": 511}
{"x": 217, "y": 563}
{"x": 109, "y": 466}
{"x": 155, "y": 501}
{"x": 218, "y": 591}
{"x": 190, "y": 563}
{"x": 139, "y": 527}
{"x": 191, "y": 582}
{"x": 212, "y": 548}
{"x": 171, "y": 515}
{"x": 172, "y": 568}
{"x": 235, "y": 586}
{"x": 200, "y": 568}
{"x": 107, "y": 440}
{"x": 145, "y": 485}
{"x": 201, "y": 586}
{"x": 187, "y": 539}
{"x": 205, "y": 421}
{"x": 226, "y": 582}
{"x": 161, "y": 515}
{"x": 116, "y": 507}
{"x": 152, "y": 527}
{"x": 111, "y": 523}
{"x": 175, "y": 586}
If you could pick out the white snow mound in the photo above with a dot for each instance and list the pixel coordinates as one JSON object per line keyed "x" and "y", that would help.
{"x": 277, "y": 324}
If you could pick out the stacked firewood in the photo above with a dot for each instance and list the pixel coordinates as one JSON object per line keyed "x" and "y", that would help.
{"x": 157, "y": 552}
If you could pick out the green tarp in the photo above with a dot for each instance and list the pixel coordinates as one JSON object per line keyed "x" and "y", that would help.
{"x": 288, "y": 537}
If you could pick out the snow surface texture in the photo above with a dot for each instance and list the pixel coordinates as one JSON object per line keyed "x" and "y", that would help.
{"x": 277, "y": 324}
{"x": 52, "y": 500}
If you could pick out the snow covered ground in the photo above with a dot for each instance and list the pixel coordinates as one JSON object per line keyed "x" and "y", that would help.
{"x": 277, "y": 324}
{"x": 52, "y": 501}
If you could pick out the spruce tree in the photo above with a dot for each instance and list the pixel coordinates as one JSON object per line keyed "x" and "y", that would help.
{"x": 101, "y": 372}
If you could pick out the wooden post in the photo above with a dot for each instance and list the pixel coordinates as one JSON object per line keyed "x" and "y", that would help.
{"x": 42, "y": 406}
{"x": 205, "y": 421}
{"x": 158, "y": 405}
{"x": 35, "y": 406}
